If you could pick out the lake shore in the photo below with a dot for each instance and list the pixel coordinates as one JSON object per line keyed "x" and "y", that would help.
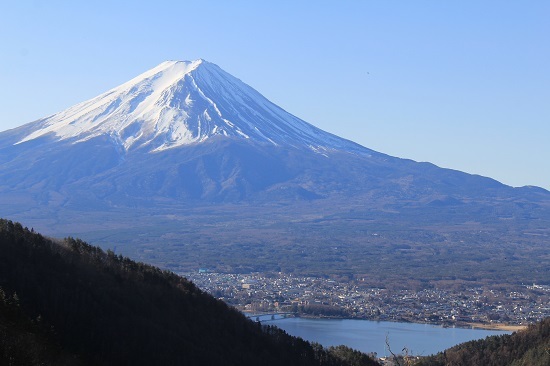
{"x": 504, "y": 327}
{"x": 465, "y": 325}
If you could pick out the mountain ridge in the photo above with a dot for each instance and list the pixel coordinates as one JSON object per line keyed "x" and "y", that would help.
{"x": 179, "y": 103}
{"x": 288, "y": 184}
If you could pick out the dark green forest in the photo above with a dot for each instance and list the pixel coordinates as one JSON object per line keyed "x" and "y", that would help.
{"x": 530, "y": 347}
{"x": 70, "y": 303}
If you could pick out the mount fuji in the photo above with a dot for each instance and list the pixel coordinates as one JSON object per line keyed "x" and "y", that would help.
{"x": 185, "y": 146}
{"x": 183, "y": 103}
{"x": 182, "y": 129}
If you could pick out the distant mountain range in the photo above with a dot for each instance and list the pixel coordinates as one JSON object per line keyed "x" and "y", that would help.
{"x": 189, "y": 153}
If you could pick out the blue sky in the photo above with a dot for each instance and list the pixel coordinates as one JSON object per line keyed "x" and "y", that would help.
{"x": 462, "y": 84}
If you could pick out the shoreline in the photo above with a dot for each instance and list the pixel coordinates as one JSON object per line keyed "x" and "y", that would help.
{"x": 460, "y": 324}
{"x": 504, "y": 327}
{"x": 465, "y": 325}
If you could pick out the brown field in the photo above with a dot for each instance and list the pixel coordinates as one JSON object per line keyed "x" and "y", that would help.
{"x": 506, "y": 327}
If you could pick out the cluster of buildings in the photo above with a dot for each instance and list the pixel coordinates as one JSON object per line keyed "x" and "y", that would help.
{"x": 286, "y": 293}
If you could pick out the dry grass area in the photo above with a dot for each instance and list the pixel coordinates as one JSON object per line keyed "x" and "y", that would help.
{"x": 493, "y": 326}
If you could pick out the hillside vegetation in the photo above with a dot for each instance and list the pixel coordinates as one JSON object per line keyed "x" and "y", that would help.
{"x": 529, "y": 347}
{"x": 70, "y": 303}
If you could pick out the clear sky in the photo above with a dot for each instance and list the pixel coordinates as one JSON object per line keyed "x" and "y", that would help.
{"x": 463, "y": 84}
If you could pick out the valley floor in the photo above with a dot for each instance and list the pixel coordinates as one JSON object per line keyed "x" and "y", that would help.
{"x": 478, "y": 307}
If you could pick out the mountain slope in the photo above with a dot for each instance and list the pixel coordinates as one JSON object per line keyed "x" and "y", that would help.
{"x": 186, "y": 153}
{"x": 108, "y": 310}
{"x": 189, "y": 130}
{"x": 180, "y": 103}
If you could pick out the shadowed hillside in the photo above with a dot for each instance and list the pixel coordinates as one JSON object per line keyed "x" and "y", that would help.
{"x": 529, "y": 347}
{"x": 71, "y": 303}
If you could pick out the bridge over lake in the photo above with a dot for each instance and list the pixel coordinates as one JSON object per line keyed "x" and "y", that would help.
{"x": 265, "y": 317}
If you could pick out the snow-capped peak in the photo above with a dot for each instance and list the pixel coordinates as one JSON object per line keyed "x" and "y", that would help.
{"x": 179, "y": 103}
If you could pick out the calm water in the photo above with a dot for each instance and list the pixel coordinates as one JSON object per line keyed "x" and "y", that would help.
{"x": 370, "y": 336}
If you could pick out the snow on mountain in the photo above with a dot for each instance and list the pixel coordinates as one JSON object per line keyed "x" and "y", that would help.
{"x": 185, "y": 102}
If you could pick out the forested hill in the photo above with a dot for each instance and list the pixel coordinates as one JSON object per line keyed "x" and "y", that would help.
{"x": 528, "y": 347}
{"x": 70, "y": 303}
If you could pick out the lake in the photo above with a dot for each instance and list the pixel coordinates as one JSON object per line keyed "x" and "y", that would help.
{"x": 370, "y": 336}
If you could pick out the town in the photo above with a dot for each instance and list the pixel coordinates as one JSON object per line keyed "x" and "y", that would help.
{"x": 320, "y": 297}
